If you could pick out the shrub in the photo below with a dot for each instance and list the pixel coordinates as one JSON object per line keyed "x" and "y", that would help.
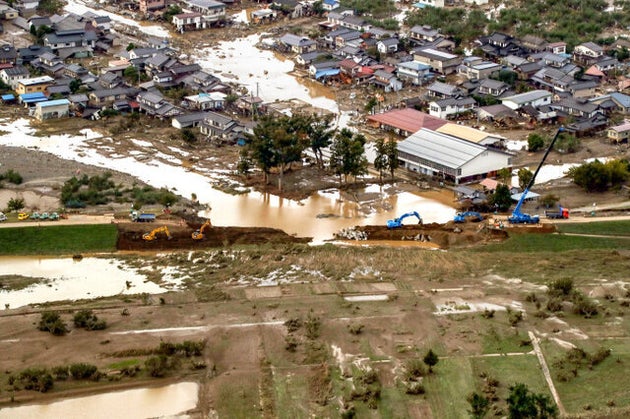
{"x": 12, "y": 176}
{"x": 15, "y": 204}
{"x": 157, "y": 366}
{"x": 38, "y": 379}
{"x": 51, "y": 322}
{"x": 293, "y": 325}
{"x": 82, "y": 371}
{"x": 312, "y": 325}
{"x": 560, "y": 287}
{"x": 414, "y": 369}
{"x": 60, "y": 372}
{"x": 89, "y": 321}
{"x": 535, "y": 142}
{"x": 355, "y": 329}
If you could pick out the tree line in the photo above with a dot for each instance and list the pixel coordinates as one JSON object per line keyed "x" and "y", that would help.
{"x": 279, "y": 142}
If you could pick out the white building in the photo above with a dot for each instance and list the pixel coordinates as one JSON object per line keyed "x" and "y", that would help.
{"x": 533, "y": 98}
{"x": 436, "y": 154}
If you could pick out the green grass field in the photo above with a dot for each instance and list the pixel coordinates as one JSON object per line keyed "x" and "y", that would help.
{"x": 608, "y": 228}
{"x": 58, "y": 240}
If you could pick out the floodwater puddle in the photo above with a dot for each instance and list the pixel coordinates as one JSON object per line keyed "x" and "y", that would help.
{"x": 164, "y": 401}
{"x": 69, "y": 279}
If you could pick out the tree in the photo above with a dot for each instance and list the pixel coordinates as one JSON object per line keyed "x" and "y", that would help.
{"x": 51, "y": 322}
{"x": 430, "y": 359}
{"x": 320, "y": 133}
{"x": 535, "y": 142}
{"x": 524, "y": 177}
{"x": 549, "y": 200}
{"x": 188, "y": 136}
{"x": 392, "y": 157}
{"x": 380, "y": 161}
{"x": 523, "y": 404}
{"x": 244, "y": 164}
{"x": 593, "y": 176}
{"x": 130, "y": 46}
{"x": 371, "y": 104}
{"x": 15, "y": 204}
{"x": 479, "y": 405}
{"x": 50, "y": 7}
{"x": 87, "y": 320}
{"x": 566, "y": 143}
{"x": 501, "y": 198}
{"x": 278, "y": 142}
{"x": 347, "y": 155}
{"x": 75, "y": 85}
{"x": 504, "y": 175}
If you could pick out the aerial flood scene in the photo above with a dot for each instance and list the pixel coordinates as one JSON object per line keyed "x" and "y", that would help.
{"x": 330, "y": 209}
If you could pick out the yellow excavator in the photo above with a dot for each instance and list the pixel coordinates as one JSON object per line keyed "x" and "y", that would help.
{"x": 153, "y": 235}
{"x": 198, "y": 234}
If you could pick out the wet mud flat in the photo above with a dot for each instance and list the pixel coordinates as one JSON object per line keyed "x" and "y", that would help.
{"x": 130, "y": 237}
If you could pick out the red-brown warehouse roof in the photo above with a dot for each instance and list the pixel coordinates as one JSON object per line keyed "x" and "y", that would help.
{"x": 408, "y": 119}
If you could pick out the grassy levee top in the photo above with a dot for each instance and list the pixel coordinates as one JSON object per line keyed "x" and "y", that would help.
{"x": 58, "y": 240}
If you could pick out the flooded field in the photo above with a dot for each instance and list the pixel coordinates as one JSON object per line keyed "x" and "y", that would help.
{"x": 69, "y": 279}
{"x": 141, "y": 403}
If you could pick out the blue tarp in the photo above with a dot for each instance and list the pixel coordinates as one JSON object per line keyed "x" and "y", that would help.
{"x": 327, "y": 73}
{"x": 8, "y": 98}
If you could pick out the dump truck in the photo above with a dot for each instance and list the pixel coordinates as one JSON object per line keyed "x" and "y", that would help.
{"x": 558, "y": 214}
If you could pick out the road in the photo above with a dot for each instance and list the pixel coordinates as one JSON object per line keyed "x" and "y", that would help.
{"x": 73, "y": 219}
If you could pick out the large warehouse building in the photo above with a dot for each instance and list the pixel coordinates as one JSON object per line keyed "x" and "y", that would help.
{"x": 454, "y": 159}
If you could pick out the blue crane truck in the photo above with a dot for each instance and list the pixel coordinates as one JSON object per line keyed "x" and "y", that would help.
{"x": 519, "y": 217}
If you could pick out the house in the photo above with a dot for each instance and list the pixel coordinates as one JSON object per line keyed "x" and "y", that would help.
{"x": 297, "y": 44}
{"x": 330, "y": 5}
{"x": 491, "y": 87}
{"x": 188, "y": 120}
{"x": 387, "y": 45}
{"x": 346, "y": 37}
{"x": 211, "y": 10}
{"x": 587, "y": 53}
{"x": 533, "y": 98}
{"x": 148, "y": 6}
{"x": 608, "y": 64}
{"x": 386, "y": 80}
{"x": 10, "y": 76}
{"x": 577, "y": 107}
{"x": 52, "y": 109}
{"x": 102, "y": 97}
{"x": 217, "y": 126}
{"x": 188, "y": 21}
{"x": 437, "y": 154}
{"x": 423, "y": 33}
{"x": 110, "y": 80}
{"x": 306, "y": 59}
{"x": 557, "y": 47}
{"x": 444, "y": 108}
{"x": 404, "y": 121}
{"x": 533, "y": 43}
{"x": 27, "y": 55}
{"x": 553, "y": 79}
{"x": 471, "y": 134}
{"x": 323, "y": 68}
{"x": 33, "y": 84}
{"x": 439, "y": 90}
{"x": 50, "y": 64}
{"x": 292, "y": 8}
{"x": 583, "y": 89}
{"x": 7, "y": 12}
{"x": 413, "y": 72}
{"x": 477, "y": 69}
{"x": 432, "y": 3}
{"x": 8, "y": 54}
{"x": 619, "y": 133}
{"x": 498, "y": 45}
{"x": 102, "y": 23}
{"x": 440, "y": 61}
{"x": 206, "y": 101}
{"x": 71, "y": 38}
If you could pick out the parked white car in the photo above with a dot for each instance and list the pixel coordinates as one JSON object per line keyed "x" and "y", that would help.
{"x": 3, "y": 217}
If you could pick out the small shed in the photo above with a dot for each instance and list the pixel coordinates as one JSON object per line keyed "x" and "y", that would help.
{"x": 9, "y": 98}
{"x": 52, "y": 109}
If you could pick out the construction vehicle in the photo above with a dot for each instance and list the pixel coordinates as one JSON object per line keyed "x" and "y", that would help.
{"x": 23, "y": 216}
{"x": 560, "y": 213}
{"x": 517, "y": 216}
{"x": 142, "y": 217}
{"x": 153, "y": 234}
{"x": 199, "y": 233}
{"x": 462, "y": 217}
{"x": 397, "y": 222}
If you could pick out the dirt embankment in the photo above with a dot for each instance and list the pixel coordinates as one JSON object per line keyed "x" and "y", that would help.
{"x": 130, "y": 237}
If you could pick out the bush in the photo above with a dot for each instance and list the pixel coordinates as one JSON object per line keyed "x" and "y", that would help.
{"x": 414, "y": 369}
{"x": 312, "y": 326}
{"x": 60, "y": 372}
{"x": 157, "y": 366}
{"x": 15, "y": 204}
{"x": 535, "y": 142}
{"x": 51, "y": 322}
{"x": 38, "y": 379}
{"x": 83, "y": 371}
{"x": 12, "y": 176}
{"x": 89, "y": 321}
{"x": 560, "y": 287}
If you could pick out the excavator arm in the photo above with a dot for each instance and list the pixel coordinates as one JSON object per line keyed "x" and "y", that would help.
{"x": 153, "y": 234}
{"x": 199, "y": 234}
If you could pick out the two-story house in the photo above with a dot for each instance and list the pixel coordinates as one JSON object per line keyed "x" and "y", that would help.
{"x": 33, "y": 84}
{"x": 587, "y": 53}
{"x": 148, "y": 6}
{"x": 440, "y": 61}
{"x": 211, "y": 10}
{"x": 297, "y": 44}
{"x": 12, "y": 75}
{"x": 414, "y": 72}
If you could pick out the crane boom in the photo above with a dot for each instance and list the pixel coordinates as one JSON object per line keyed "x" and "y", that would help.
{"x": 517, "y": 216}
